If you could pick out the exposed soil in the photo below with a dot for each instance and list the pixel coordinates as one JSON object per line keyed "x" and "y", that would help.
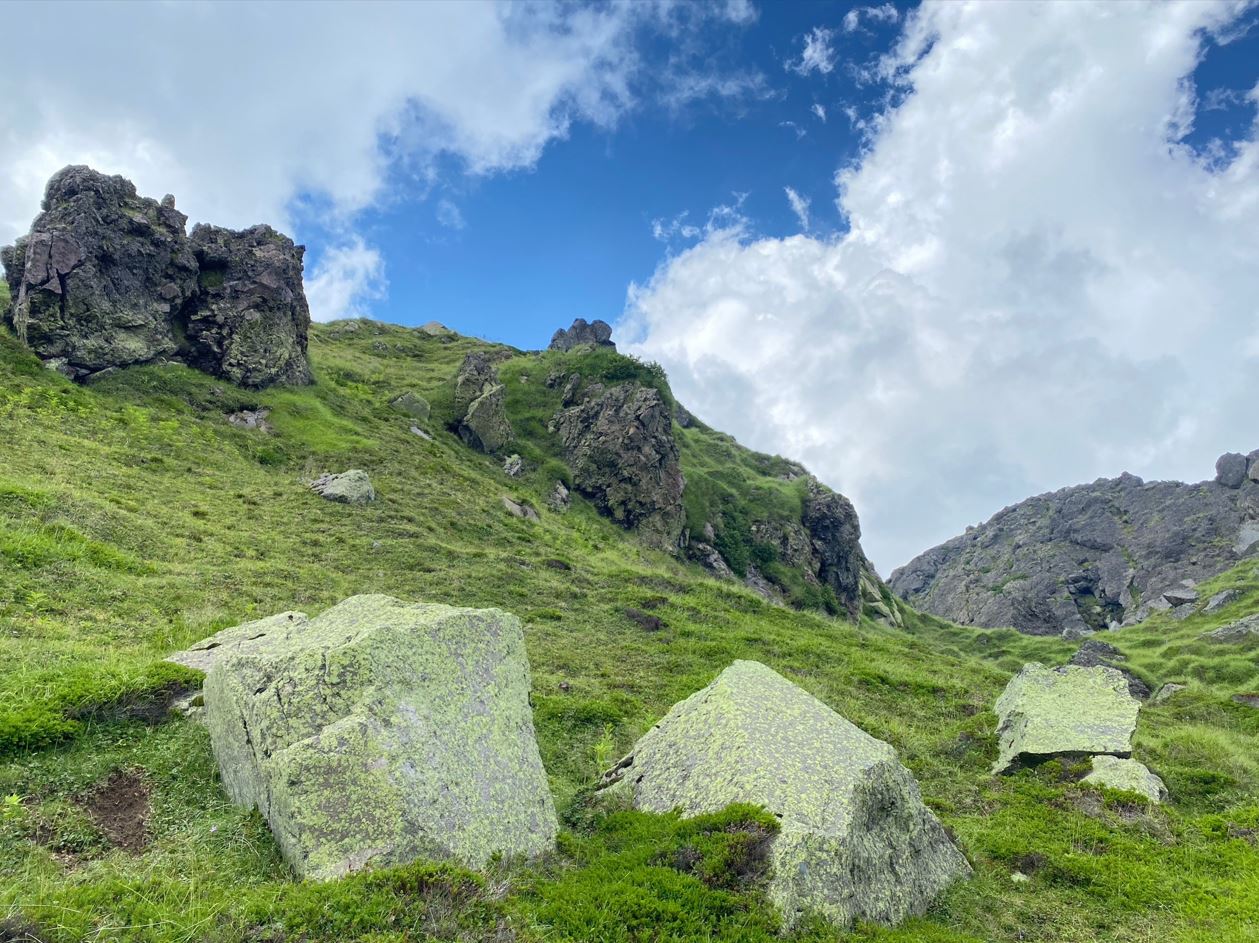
{"x": 119, "y": 807}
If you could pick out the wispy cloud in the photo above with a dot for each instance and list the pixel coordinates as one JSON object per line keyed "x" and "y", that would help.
{"x": 820, "y": 111}
{"x": 818, "y": 54}
{"x": 799, "y": 206}
{"x": 884, "y": 13}
{"x": 449, "y": 215}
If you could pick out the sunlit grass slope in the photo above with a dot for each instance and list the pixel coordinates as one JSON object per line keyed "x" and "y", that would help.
{"x": 134, "y": 519}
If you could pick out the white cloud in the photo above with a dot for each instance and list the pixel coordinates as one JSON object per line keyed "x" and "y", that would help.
{"x": 799, "y": 206}
{"x": 884, "y": 13}
{"x": 820, "y": 111}
{"x": 818, "y": 55}
{"x": 449, "y": 215}
{"x": 344, "y": 280}
{"x": 1038, "y": 286}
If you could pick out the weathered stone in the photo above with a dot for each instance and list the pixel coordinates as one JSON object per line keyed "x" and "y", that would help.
{"x": 619, "y": 444}
{"x": 559, "y": 499}
{"x": 381, "y": 732}
{"x": 102, "y": 275}
{"x": 1243, "y": 630}
{"x": 435, "y": 329}
{"x": 856, "y": 841}
{"x": 1180, "y": 595}
{"x": 594, "y": 334}
{"x": 251, "y": 419}
{"x": 1221, "y": 599}
{"x": 1247, "y": 536}
{"x": 1094, "y": 653}
{"x": 520, "y": 509}
{"x": 416, "y": 430}
{"x": 708, "y": 557}
{"x": 1230, "y": 469}
{"x": 411, "y": 404}
{"x": 1128, "y": 775}
{"x": 351, "y": 487}
{"x": 835, "y": 534}
{"x": 479, "y": 401}
{"x": 1046, "y": 712}
{"x": 204, "y": 654}
{"x": 1246, "y": 699}
{"x": 1165, "y": 693}
{"x": 513, "y": 465}
{"x": 250, "y": 321}
{"x": 757, "y": 583}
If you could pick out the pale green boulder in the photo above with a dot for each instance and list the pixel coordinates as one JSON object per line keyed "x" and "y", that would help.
{"x": 411, "y": 404}
{"x": 351, "y": 487}
{"x": 380, "y": 732}
{"x": 1045, "y": 712}
{"x": 856, "y": 841}
{"x": 205, "y": 653}
{"x": 1128, "y": 775}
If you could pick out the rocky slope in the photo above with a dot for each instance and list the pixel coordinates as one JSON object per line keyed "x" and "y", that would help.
{"x": 1093, "y": 556}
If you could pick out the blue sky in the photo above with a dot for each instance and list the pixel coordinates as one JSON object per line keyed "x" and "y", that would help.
{"x": 1031, "y": 252}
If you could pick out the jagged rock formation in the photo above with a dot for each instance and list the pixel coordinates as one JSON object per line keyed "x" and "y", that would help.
{"x": 480, "y": 404}
{"x": 1045, "y": 712}
{"x": 250, "y": 319}
{"x": 107, "y": 278}
{"x": 594, "y": 334}
{"x": 380, "y": 732}
{"x": 1090, "y": 557}
{"x": 619, "y": 444}
{"x": 856, "y": 841}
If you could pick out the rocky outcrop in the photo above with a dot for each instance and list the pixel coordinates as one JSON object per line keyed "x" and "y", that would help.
{"x": 380, "y": 732}
{"x": 619, "y": 444}
{"x": 480, "y": 403}
{"x": 856, "y": 841}
{"x": 351, "y": 487}
{"x": 594, "y": 334}
{"x": 250, "y": 320}
{"x": 1243, "y": 630}
{"x": 107, "y": 278}
{"x": 1090, "y": 557}
{"x": 1127, "y": 775}
{"x": 1045, "y": 712}
{"x": 835, "y": 538}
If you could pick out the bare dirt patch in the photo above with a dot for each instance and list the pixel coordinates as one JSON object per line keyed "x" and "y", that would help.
{"x": 119, "y": 807}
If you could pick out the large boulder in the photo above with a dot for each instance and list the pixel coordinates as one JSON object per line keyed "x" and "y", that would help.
{"x": 481, "y": 404}
{"x": 380, "y": 732}
{"x": 351, "y": 487}
{"x": 856, "y": 841}
{"x": 1230, "y": 469}
{"x": 250, "y": 319}
{"x": 619, "y": 444}
{"x": 102, "y": 276}
{"x": 594, "y": 334}
{"x": 1072, "y": 711}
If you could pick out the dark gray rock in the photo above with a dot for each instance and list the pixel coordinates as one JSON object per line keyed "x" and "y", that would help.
{"x": 1094, "y": 653}
{"x": 480, "y": 403}
{"x": 1221, "y": 599}
{"x": 249, "y": 320}
{"x": 619, "y": 444}
{"x": 1083, "y": 558}
{"x": 102, "y": 275}
{"x": 594, "y": 334}
{"x": 1230, "y": 469}
{"x": 835, "y": 535}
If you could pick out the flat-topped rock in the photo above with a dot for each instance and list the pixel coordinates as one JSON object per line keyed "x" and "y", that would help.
{"x": 1046, "y": 712}
{"x": 1128, "y": 775}
{"x": 856, "y": 841}
{"x": 381, "y": 732}
{"x": 351, "y": 487}
{"x": 238, "y": 638}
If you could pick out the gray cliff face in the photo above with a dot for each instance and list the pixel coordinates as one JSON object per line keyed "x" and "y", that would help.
{"x": 1090, "y": 557}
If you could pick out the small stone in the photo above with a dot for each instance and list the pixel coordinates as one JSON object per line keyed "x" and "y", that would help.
{"x": 351, "y": 487}
{"x": 1249, "y": 700}
{"x": 1166, "y": 692}
{"x": 251, "y": 419}
{"x": 520, "y": 509}
{"x": 513, "y": 465}
{"x": 416, "y": 430}
{"x": 1181, "y": 595}
{"x": 435, "y": 329}
{"x": 1018, "y": 877}
{"x": 1127, "y": 775}
{"x": 411, "y": 404}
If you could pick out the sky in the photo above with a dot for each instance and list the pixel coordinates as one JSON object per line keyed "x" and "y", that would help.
{"x": 948, "y": 255}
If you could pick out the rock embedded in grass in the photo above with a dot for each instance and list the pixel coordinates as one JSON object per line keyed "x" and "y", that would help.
{"x": 351, "y": 487}
{"x": 856, "y": 841}
{"x": 1045, "y": 712}
{"x": 411, "y": 404}
{"x": 1127, "y": 775}
{"x": 382, "y": 732}
{"x": 1240, "y": 631}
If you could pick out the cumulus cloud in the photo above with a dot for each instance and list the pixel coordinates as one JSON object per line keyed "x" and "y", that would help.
{"x": 1040, "y": 283}
{"x": 818, "y": 54}
{"x": 799, "y": 206}
{"x": 346, "y": 278}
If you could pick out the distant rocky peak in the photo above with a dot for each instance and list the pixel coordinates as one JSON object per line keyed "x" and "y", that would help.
{"x": 592, "y": 334}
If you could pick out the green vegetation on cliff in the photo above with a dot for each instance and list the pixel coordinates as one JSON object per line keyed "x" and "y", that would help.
{"x": 134, "y": 519}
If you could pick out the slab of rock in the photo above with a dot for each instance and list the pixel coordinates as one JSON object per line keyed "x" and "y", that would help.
{"x": 1128, "y": 775}
{"x": 351, "y": 487}
{"x": 102, "y": 274}
{"x": 480, "y": 401}
{"x": 619, "y": 444}
{"x": 435, "y": 329}
{"x": 593, "y": 334}
{"x": 1221, "y": 599}
{"x": 411, "y": 404}
{"x": 520, "y": 509}
{"x": 381, "y": 732}
{"x": 1180, "y": 596}
{"x": 1247, "y": 537}
{"x": 1045, "y": 712}
{"x": 1093, "y": 653}
{"x": 1246, "y": 699}
{"x": 205, "y": 653}
{"x": 856, "y": 841}
{"x": 559, "y": 498}
{"x": 250, "y": 321}
{"x": 1240, "y": 631}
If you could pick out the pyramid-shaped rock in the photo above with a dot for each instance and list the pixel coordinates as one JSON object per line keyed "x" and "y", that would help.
{"x": 380, "y": 732}
{"x": 856, "y": 841}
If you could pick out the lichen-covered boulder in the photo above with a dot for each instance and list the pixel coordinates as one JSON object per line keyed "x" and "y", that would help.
{"x": 102, "y": 275}
{"x": 856, "y": 841}
{"x": 380, "y": 732}
{"x": 1128, "y": 775}
{"x": 619, "y": 444}
{"x": 481, "y": 404}
{"x": 250, "y": 319}
{"x": 411, "y": 404}
{"x": 351, "y": 487}
{"x": 1045, "y": 712}
{"x": 237, "y": 638}
{"x": 1243, "y": 630}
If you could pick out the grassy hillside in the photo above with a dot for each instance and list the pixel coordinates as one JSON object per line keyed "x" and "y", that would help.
{"x": 134, "y": 520}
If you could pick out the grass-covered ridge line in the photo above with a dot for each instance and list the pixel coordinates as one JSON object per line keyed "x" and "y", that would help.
{"x": 196, "y": 525}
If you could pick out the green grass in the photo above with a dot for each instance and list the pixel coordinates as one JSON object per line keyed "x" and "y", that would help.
{"x": 134, "y": 520}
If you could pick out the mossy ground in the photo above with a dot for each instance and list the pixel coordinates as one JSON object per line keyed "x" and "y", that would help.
{"x": 134, "y": 520}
